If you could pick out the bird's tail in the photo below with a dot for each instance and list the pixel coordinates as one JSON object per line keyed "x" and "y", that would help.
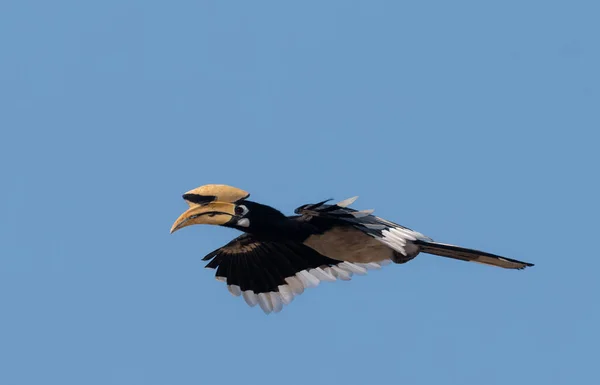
{"x": 464, "y": 254}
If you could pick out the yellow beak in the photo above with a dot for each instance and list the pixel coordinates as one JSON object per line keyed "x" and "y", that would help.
{"x": 214, "y": 213}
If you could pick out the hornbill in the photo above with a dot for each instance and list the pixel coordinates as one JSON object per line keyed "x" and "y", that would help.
{"x": 278, "y": 256}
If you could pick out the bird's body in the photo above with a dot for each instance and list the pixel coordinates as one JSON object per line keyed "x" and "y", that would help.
{"x": 278, "y": 256}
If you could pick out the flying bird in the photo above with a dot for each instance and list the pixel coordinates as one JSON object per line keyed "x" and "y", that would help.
{"x": 277, "y": 257}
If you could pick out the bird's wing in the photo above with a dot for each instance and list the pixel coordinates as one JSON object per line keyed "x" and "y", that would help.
{"x": 271, "y": 273}
{"x": 393, "y": 235}
{"x": 402, "y": 239}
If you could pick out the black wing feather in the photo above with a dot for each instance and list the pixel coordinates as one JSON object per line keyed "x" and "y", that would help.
{"x": 263, "y": 265}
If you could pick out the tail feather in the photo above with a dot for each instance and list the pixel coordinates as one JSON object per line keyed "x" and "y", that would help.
{"x": 464, "y": 254}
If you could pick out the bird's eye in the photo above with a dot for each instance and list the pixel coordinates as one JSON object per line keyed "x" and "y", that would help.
{"x": 241, "y": 210}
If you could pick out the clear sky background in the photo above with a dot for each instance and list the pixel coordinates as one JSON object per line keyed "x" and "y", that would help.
{"x": 473, "y": 122}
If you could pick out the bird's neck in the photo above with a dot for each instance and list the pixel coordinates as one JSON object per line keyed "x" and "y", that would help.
{"x": 290, "y": 229}
{"x": 269, "y": 223}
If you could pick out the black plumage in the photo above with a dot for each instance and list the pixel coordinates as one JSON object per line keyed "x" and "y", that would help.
{"x": 278, "y": 256}
{"x": 263, "y": 265}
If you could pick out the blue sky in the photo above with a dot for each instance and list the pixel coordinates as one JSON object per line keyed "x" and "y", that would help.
{"x": 475, "y": 123}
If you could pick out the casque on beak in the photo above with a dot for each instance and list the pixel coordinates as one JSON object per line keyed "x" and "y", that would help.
{"x": 214, "y": 193}
{"x": 214, "y": 213}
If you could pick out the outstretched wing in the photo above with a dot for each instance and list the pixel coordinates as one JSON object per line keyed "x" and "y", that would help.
{"x": 407, "y": 242}
{"x": 271, "y": 273}
{"x": 393, "y": 235}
